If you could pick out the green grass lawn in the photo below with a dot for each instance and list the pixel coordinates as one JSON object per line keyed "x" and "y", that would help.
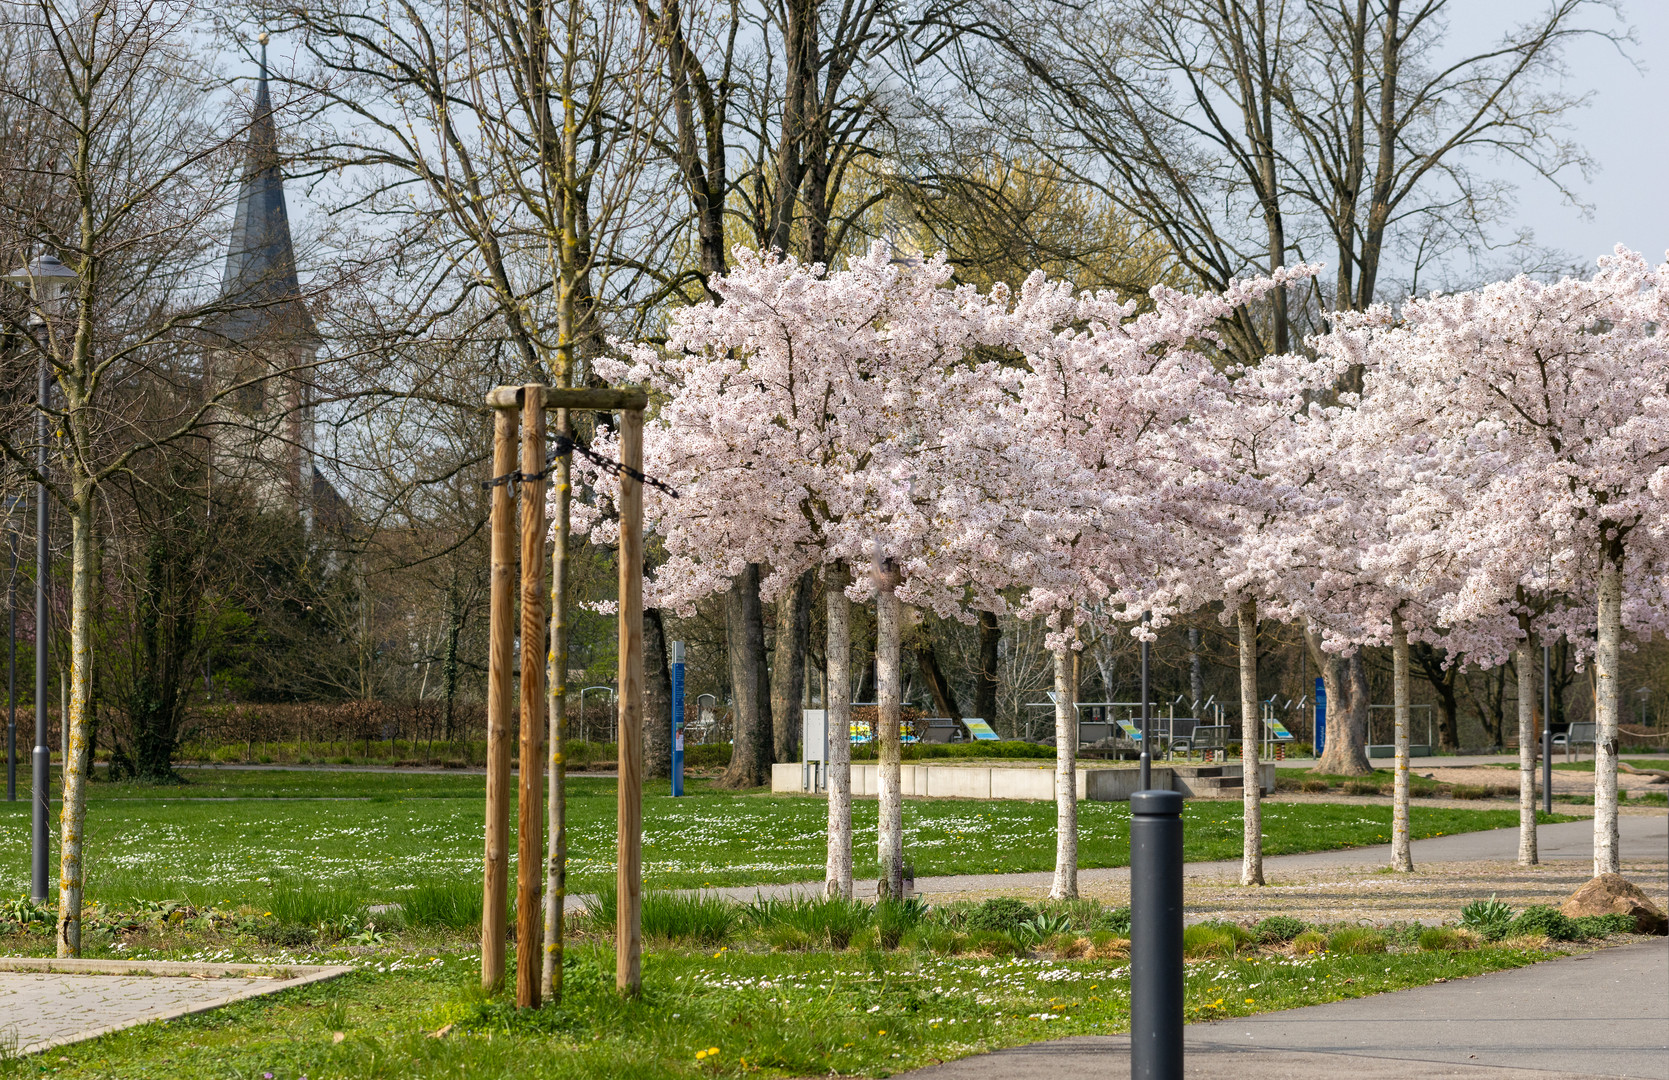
{"x": 723, "y": 1013}
{"x": 228, "y": 837}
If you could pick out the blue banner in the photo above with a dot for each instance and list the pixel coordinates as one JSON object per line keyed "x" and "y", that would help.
{"x": 1320, "y": 715}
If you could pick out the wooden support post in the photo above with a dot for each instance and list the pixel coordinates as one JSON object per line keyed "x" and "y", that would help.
{"x": 530, "y": 835}
{"x": 501, "y": 640}
{"x": 628, "y": 934}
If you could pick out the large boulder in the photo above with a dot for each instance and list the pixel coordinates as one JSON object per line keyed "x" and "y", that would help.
{"x": 1614, "y": 894}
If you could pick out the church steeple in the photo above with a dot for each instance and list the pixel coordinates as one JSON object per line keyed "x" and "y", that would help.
{"x": 260, "y": 278}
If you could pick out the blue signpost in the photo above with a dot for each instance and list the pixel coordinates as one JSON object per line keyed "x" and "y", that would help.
{"x": 1320, "y": 716}
{"x": 677, "y": 718}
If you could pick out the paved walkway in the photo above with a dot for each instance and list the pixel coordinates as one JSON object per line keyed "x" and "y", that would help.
{"x": 1600, "y": 1014}
{"x": 1645, "y": 838}
{"x": 83, "y": 999}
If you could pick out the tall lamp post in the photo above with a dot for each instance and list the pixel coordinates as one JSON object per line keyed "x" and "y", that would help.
{"x": 46, "y": 280}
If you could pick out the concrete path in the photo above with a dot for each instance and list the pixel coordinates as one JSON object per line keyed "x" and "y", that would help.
{"x": 1644, "y": 836}
{"x": 52, "y": 1003}
{"x": 1601, "y": 1014}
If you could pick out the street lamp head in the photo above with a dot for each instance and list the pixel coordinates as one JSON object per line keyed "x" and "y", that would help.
{"x": 45, "y": 279}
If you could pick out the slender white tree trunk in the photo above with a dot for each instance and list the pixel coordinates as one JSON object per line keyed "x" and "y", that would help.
{"x": 1065, "y": 886}
{"x": 1251, "y": 784}
{"x": 837, "y": 873}
{"x": 1607, "y": 654}
{"x": 888, "y": 687}
{"x": 1526, "y": 751}
{"x": 1401, "y": 857}
{"x": 74, "y": 813}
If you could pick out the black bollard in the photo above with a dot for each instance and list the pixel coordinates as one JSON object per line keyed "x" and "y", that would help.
{"x": 1156, "y": 935}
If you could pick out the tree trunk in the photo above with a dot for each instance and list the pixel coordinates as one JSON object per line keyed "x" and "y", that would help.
{"x": 750, "y": 758}
{"x": 1441, "y": 678}
{"x": 837, "y": 874}
{"x": 1346, "y": 753}
{"x": 74, "y": 810}
{"x": 556, "y": 702}
{"x": 889, "y": 846}
{"x": 1607, "y": 657}
{"x": 788, "y": 671}
{"x": 927, "y": 662}
{"x": 985, "y": 679}
{"x": 1527, "y": 855}
{"x": 1251, "y": 786}
{"x": 1401, "y": 857}
{"x": 1065, "y": 886}
{"x": 657, "y": 698}
{"x": 1196, "y": 675}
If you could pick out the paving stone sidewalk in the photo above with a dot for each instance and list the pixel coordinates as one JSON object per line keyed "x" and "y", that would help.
{"x": 77, "y": 1000}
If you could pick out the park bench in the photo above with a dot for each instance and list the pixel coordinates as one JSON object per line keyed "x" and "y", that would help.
{"x": 1209, "y": 738}
{"x": 1577, "y": 735}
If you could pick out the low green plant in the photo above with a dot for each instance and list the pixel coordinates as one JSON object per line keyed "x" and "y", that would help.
{"x": 895, "y": 918}
{"x": 303, "y": 903}
{"x": 829, "y": 920}
{"x": 1442, "y": 939}
{"x": 688, "y": 917}
{"x": 451, "y": 904}
{"x": 1356, "y": 941}
{"x": 1309, "y": 941}
{"x": 1545, "y": 920}
{"x": 1598, "y": 926}
{"x": 1362, "y": 787}
{"x": 1113, "y": 921}
{"x": 1489, "y": 918}
{"x": 1000, "y": 914}
{"x": 25, "y": 911}
{"x": 1038, "y": 929}
{"x": 1210, "y": 939}
{"x": 1279, "y": 929}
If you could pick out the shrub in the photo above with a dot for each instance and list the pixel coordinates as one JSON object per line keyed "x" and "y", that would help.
{"x": 453, "y": 905}
{"x": 1488, "y": 918}
{"x": 1309, "y": 941}
{"x": 1598, "y": 926}
{"x": 1442, "y": 939}
{"x": 1278, "y": 929}
{"x": 1545, "y": 920}
{"x": 1001, "y": 914}
{"x": 1113, "y": 921}
{"x": 286, "y": 935}
{"x": 1356, "y": 941}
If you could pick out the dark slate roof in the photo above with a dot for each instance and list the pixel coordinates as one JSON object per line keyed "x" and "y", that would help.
{"x": 260, "y": 275}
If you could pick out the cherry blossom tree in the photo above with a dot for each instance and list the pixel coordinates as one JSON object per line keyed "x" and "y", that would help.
{"x": 1126, "y": 491}
{"x": 800, "y": 425}
{"x": 1560, "y": 389}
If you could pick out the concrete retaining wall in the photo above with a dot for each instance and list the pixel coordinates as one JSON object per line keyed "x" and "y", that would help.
{"x": 981, "y": 781}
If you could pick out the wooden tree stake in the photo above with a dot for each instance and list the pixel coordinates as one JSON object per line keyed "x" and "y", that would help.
{"x": 628, "y": 964}
{"x": 501, "y": 639}
{"x": 529, "y": 796}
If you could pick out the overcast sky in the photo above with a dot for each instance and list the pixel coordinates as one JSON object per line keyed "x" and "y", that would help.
{"x": 1625, "y": 130}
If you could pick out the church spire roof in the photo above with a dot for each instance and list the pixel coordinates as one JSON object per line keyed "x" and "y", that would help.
{"x": 260, "y": 277}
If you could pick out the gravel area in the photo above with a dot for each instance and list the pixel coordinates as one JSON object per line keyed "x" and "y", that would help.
{"x": 1434, "y": 893}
